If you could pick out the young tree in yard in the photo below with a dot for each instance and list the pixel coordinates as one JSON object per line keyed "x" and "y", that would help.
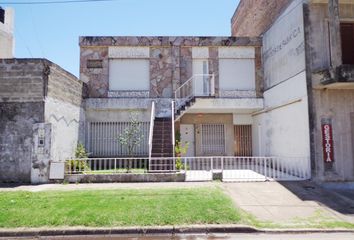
{"x": 132, "y": 136}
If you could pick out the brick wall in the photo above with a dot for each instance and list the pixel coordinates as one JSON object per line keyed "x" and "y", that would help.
{"x": 253, "y": 17}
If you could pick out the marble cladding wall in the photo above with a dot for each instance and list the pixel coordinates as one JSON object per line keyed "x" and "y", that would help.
{"x": 169, "y": 41}
{"x": 170, "y": 62}
{"x": 96, "y": 79}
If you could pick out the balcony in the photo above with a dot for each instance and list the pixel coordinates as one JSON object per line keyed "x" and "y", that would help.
{"x": 199, "y": 95}
{"x": 341, "y": 77}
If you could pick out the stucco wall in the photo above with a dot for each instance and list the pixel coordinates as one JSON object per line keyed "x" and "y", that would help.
{"x": 319, "y": 32}
{"x": 16, "y": 139}
{"x": 330, "y": 105}
{"x": 63, "y": 109}
{"x": 338, "y": 106}
{"x": 40, "y": 107}
{"x": 21, "y": 106}
{"x": 282, "y": 128}
{"x": 198, "y": 119}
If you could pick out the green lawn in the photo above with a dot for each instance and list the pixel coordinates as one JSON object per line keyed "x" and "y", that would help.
{"x": 117, "y": 208}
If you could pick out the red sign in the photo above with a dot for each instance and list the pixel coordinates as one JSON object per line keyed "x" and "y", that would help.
{"x": 327, "y": 143}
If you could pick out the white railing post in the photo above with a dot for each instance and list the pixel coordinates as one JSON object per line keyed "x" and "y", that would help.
{"x": 173, "y": 128}
{"x": 212, "y": 85}
{"x": 211, "y": 163}
{"x": 151, "y": 132}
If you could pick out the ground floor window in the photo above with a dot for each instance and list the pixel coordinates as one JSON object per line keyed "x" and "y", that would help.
{"x": 213, "y": 139}
{"x": 102, "y": 139}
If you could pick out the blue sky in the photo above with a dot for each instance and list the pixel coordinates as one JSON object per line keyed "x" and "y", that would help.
{"x": 52, "y": 31}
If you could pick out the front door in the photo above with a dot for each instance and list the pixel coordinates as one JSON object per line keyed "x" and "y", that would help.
{"x": 187, "y": 137}
{"x": 201, "y": 77}
{"x": 243, "y": 140}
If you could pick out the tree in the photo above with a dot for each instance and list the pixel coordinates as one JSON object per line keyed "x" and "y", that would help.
{"x": 132, "y": 136}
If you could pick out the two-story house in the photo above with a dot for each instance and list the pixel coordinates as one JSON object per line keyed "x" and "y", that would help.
{"x": 214, "y": 82}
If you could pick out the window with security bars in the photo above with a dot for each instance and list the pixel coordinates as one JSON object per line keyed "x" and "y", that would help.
{"x": 213, "y": 139}
{"x": 102, "y": 139}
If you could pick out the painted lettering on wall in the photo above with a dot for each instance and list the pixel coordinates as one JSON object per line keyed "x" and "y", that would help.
{"x": 275, "y": 49}
{"x": 327, "y": 143}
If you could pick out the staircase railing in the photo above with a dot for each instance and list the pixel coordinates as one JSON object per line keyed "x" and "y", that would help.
{"x": 151, "y": 131}
{"x": 173, "y": 127}
{"x": 199, "y": 85}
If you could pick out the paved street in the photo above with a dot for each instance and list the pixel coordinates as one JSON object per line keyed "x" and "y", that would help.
{"x": 316, "y": 236}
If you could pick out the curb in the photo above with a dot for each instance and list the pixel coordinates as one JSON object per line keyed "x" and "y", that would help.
{"x": 163, "y": 230}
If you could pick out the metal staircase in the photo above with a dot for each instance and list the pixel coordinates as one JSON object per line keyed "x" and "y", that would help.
{"x": 199, "y": 85}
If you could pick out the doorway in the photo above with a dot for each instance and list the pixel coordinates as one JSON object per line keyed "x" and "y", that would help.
{"x": 201, "y": 77}
{"x": 243, "y": 140}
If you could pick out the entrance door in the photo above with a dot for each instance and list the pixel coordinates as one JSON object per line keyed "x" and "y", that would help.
{"x": 243, "y": 140}
{"x": 187, "y": 136}
{"x": 201, "y": 77}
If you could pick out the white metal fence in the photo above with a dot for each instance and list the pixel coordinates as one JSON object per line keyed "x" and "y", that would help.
{"x": 201, "y": 168}
{"x": 102, "y": 139}
{"x": 119, "y": 165}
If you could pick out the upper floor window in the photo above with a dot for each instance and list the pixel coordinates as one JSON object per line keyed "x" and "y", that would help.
{"x": 237, "y": 68}
{"x": 129, "y": 75}
{"x": 347, "y": 35}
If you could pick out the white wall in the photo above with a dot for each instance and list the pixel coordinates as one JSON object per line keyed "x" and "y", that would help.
{"x": 282, "y": 128}
{"x": 65, "y": 121}
{"x": 7, "y": 43}
{"x": 283, "y": 46}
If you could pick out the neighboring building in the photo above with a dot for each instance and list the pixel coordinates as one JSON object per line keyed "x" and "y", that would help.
{"x": 256, "y": 13}
{"x": 6, "y": 33}
{"x": 215, "y": 81}
{"x": 308, "y": 63}
{"x": 40, "y": 112}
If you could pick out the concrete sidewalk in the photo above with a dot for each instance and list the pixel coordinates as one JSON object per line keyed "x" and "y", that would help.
{"x": 291, "y": 203}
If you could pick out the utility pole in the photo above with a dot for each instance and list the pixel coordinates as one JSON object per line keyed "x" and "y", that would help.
{"x": 334, "y": 33}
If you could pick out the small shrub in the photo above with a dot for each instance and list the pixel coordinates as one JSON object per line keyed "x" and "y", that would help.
{"x": 180, "y": 149}
{"x": 76, "y": 165}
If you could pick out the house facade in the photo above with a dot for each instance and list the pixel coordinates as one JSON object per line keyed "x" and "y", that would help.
{"x": 214, "y": 82}
{"x": 307, "y": 56}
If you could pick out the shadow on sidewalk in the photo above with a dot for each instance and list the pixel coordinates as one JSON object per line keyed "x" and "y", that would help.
{"x": 338, "y": 199}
